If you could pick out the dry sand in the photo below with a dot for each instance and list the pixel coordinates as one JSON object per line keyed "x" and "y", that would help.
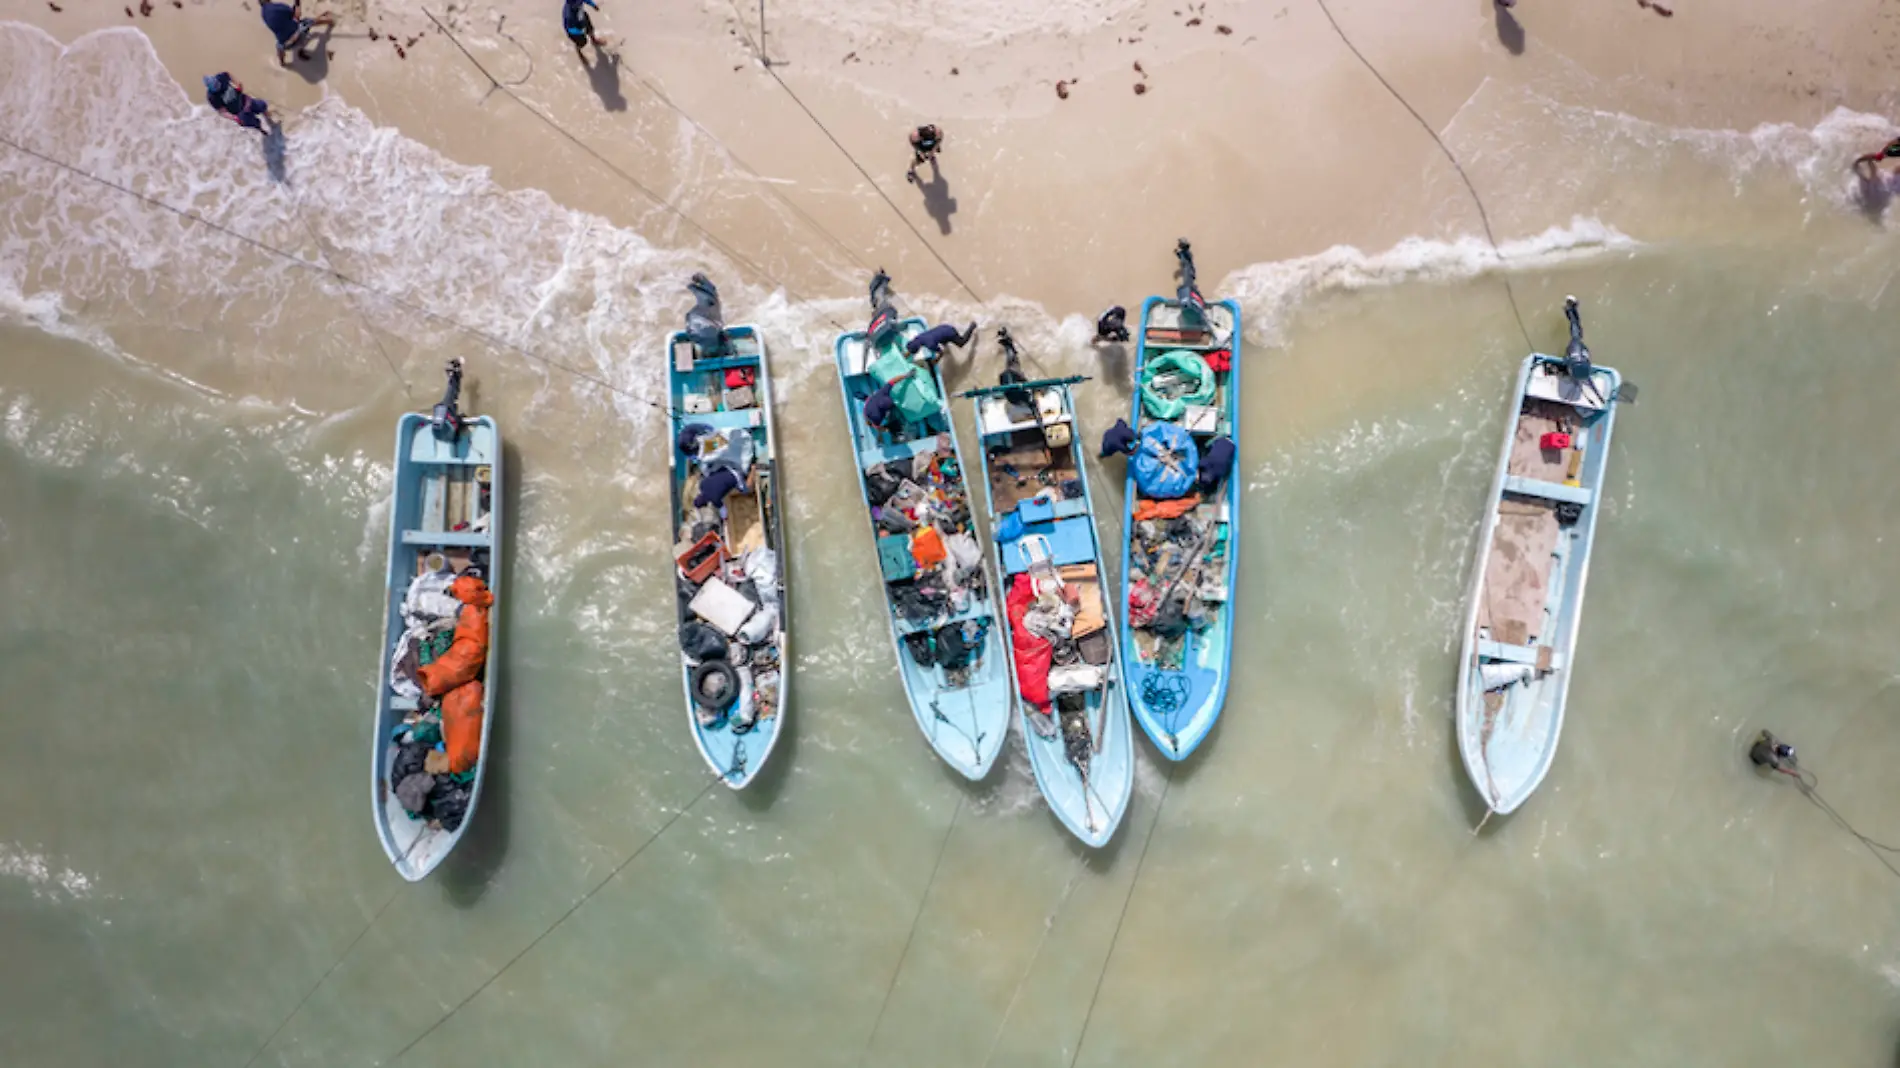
{"x": 1264, "y": 143}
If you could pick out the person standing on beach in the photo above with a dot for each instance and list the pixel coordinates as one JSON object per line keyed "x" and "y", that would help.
{"x": 580, "y": 28}
{"x": 1892, "y": 151}
{"x": 225, "y": 94}
{"x": 925, "y": 142}
{"x": 292, "y": 30}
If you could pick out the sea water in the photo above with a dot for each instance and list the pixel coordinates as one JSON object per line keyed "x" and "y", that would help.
{"x": 194, "y": 439}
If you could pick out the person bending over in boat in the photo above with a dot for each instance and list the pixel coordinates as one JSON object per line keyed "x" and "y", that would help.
{"x": 226, "y": 95}
{"x": 580, "y": 28}
{"x": 880, "y": 410}
{"x": 937, "y": 337}
{"x": 292, "y": 30}
{"x": 1892, "y": 151}
{"x": 721, "y": 482}
{"x": 925, "y": 142}
{"x": 1112, "y": 326}
{"x": 1217, "y": 459}
{"x": 1120, "y": 438}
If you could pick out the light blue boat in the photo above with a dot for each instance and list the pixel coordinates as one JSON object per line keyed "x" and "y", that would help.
{"x": 963, "y": 711}
{"x": 444, "y": 522}
{"x": 1533, "y": 557}
{"x": 1177, "y": 683}
{"x": 1045, "y": 542}
{"x": 717, "y": 379}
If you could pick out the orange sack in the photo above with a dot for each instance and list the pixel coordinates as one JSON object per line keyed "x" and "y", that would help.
{"x": 926, "y": 547}
{"x": 1148, "y": 509}
{"x": 462, "y": 726}
{"x": 469, "y": 651}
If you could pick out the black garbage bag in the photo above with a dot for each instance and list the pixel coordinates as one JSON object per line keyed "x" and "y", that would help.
{"x": 700, "y": 641}
{"x": 448, "y": 802}
{"x": 411, "y": 758}
{"x": 958, "y": 642}
{"x": 880, "y": 483}
{"x": 922, "y": 648}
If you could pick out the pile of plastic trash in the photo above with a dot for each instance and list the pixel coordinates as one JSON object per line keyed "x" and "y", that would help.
{"x": 1060, "y": 641}
{"x": 929, "y": 555}
{"x": 439, "y": 663}
{"x": 730, "y": 600}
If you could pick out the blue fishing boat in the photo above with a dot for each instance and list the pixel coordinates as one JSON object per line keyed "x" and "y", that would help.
{"x": 911, "y": 473}
{"x": 1073, "y": 709}
{"x": 435, "y": 699}
{"x": 729, "y": 549}
{"x": 1533, "y": 557}
{"x": 1181, "y": 523}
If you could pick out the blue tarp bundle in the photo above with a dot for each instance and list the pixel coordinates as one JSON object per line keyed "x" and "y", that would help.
{"x": 1167, "y": 463}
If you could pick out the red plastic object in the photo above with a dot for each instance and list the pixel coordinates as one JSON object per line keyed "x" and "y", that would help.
{"x": 1556, "y": 439}
{"x": 699, "y": 562}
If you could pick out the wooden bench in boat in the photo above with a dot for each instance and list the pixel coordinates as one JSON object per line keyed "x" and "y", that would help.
{"x": 1543, "y": 657}
{"x": 1553, "y": 491}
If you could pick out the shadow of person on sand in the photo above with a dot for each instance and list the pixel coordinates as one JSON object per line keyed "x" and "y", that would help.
{"x": 1875, "y": 191}
{"x": 604, "y": 75}
{"x": 938, "y": 203}
{"x": 1510, "y": 32}
{"x": 1111, "y": 361}
{"x": 317, "y": 67}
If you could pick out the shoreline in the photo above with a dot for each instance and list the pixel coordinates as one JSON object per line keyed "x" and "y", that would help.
{"x": 1266, "y": 144}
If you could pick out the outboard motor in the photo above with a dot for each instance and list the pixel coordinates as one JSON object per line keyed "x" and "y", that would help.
{"x": 883, "y": 312}
{"x": 446, "y": 421}
{"x": 1577, "y": 354}
{"x": 1188, "y": 294}
{"x": 1012, "y": 370}
{"x": 706, "y": 322}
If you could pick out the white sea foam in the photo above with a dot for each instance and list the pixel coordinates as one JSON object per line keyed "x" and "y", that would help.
{"x": 48, "y": 878}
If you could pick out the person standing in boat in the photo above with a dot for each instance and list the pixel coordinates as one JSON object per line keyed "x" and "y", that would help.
{"x": 925, "y": 142}
{"x": 937, "y": 337}
{"x": 1112, "y": 327}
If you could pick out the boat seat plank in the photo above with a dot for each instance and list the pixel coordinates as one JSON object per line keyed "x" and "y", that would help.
{"x": 446, "y": 538}
{"x": 742, "y": 419}
{"x": 1537, "y": 487}
{"x": 1069, "y": 543}
{"x": 476, "y": 446}
{"x": 1520, "y": 654}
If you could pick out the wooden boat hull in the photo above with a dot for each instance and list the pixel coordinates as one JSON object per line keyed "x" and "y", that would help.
{"x": 736, "y": 756}
{"x": 1178, "y": 706}
{"x": 422, "y": 499}
{"x": 966, "y": 724}
{"x": 1091, "y": 808}
{"x": 1526, "y": 596}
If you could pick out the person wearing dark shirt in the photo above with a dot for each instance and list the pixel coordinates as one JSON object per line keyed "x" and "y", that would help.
{"x": 718, "y": 484}
{"x": 1112, "y": 326}
{"x": 1216, "y": 460}
{"x": 1120, "y": 438}
{"x": 880, "y": 410}
{"x": 226, "y": 95}
{"x": 580, "y": 28}
{"x": 291, "y": 29}
{"x": 925, "y": 142}
{"x": 937, "y": 337}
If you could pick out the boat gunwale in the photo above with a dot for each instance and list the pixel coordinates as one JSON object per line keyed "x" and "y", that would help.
{"x": 985, "y": 764}
{"x": 1217, "y": 698}
{"x": 1572, "y": 612}
{"x": 776, "y": 543}
{"x": 380, "y": 788}
{"x": 1120, "y": 683}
